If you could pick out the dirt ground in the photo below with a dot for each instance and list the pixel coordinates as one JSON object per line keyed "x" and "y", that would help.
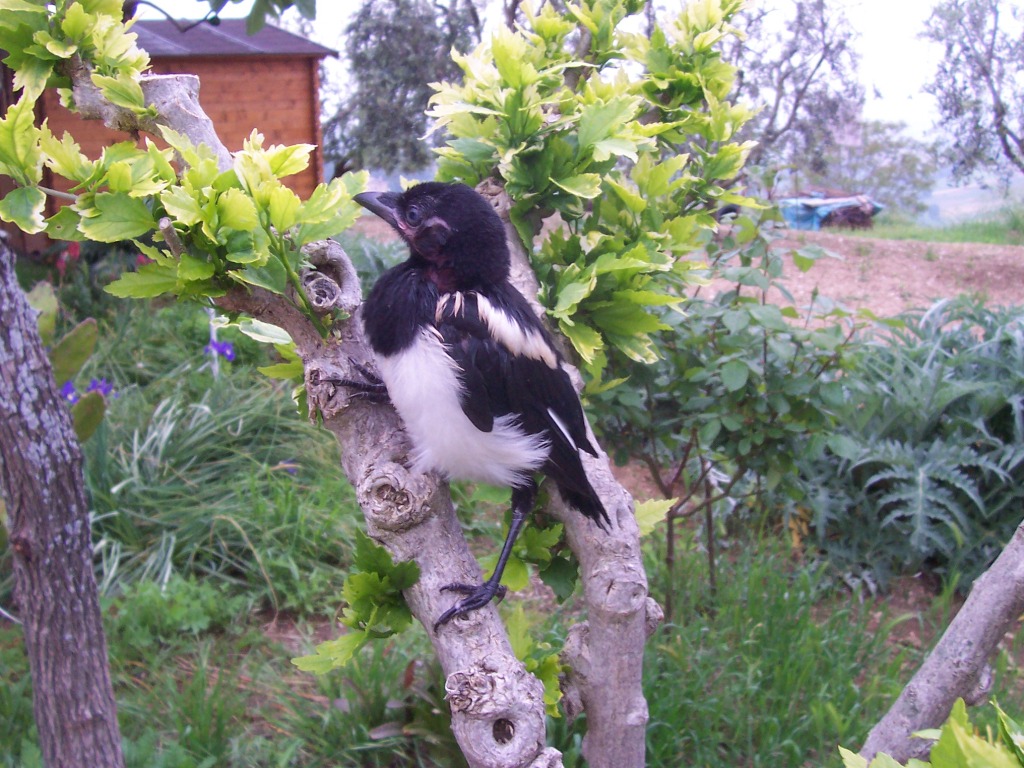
{"x": 890, "y": 276}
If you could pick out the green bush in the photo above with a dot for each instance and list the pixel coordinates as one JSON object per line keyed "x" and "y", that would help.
{"x": 148, "y": 613}
{"x": 927, "y": 461}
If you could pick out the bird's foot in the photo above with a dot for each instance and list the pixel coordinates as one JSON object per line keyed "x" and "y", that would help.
{"x": 369, "y": 388}
{"x": 477, "y": 596}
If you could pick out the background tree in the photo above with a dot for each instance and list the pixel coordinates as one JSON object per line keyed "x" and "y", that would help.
{"x": 979, "y": 85}
{"x": 43, "y": 490}
{"x": 797, "y": 63}
{"x": 395, "y": 49}
{"x": 878, "y": 158}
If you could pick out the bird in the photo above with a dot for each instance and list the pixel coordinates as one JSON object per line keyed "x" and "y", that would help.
{"x": 468, "y": 365}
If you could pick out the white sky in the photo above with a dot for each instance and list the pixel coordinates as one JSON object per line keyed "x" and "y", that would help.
{"x": 895, "y": 63}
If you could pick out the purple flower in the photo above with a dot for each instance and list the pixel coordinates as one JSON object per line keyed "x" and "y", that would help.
{"x": 102, "y": 386}
{"x": 69, "y": 393}
{"x": 223, "y": 348}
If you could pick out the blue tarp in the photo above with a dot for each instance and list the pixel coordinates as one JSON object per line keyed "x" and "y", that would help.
{"x": 809, "y": 212}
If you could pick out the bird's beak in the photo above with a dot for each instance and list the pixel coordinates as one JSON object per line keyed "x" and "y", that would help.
{"x": 382, "y": 204}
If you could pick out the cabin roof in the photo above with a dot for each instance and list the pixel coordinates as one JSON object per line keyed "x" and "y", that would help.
{"x": 161, "y": 38}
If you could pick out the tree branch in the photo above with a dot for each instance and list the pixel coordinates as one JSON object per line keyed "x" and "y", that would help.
{"x": 605, "y": 653}
{"x": 956, "y": 667}
{"x": 497, "y": 707}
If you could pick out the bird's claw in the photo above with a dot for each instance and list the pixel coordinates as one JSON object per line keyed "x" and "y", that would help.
{"x": 372, "y": 379}
{"x": 370, "y": 388}
{"x": 477, "y": 596}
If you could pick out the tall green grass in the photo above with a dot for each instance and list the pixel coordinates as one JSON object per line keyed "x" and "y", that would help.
{"x": 232, "y": 487}
{"x": 770, "y": 670}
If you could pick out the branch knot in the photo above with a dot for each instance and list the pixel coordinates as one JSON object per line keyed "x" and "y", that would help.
{"x": 331, "y": 283}
{"x": 488, "y": 711}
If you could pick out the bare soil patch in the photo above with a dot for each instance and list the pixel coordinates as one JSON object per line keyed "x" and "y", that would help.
{"x": 891, "y": 276}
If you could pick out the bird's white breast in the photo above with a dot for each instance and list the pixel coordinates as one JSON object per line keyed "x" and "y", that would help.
{"x": 423, "y": 383}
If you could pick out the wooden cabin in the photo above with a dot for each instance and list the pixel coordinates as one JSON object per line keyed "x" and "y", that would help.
{"x": 269, "y": 81}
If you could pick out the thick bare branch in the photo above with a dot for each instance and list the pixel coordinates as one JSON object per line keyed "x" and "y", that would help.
{"x": 175, "y": 97}
{"x": 497, "y": 707}
{"x": 956, "y": 667}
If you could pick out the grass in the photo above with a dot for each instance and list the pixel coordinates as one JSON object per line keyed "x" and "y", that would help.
{"x": 1005, "y": 228}
{"x": 219, "y": 511}
{"x": 771, "y": 670}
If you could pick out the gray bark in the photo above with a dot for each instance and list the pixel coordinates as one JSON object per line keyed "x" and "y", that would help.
{"x": 957, "y": 666}
{"x": 48, "y": 517}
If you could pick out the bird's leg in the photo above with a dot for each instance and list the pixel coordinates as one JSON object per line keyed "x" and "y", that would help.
{"x": 370, "y": 388}
{"x": 479, "y": 595}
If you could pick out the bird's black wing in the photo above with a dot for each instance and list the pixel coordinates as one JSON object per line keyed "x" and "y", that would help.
{"x": 509, "y": 366}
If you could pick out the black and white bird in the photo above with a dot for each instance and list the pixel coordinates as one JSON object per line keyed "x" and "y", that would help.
{"x": 468, "y": 365}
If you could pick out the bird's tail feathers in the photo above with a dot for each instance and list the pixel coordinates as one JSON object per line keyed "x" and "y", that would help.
{"x": 588, "y": 503}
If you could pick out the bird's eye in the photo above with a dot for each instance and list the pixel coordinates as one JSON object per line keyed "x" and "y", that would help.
{"x": 413, "y": 216}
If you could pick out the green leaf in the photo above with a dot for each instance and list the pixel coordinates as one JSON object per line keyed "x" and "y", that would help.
{"x": 270, "y": 275}
{"x": 32, "y": 76}
{"x": 289, "y": 160}
{"x": 193, "y": 269}
{"x": 843, "y": 446}
{"x": 22, "y": 6}
{"x": 1011, "y": 732}
{"x": 63, "y": 225}
{"x": 333, "y": 653}
{"x": 633, "y": 200}
{"x": 237, "y": 210}
{"x": 43, "y": 300}
{"x": 23, "y": 207}
{"x": 586, "y": 341}
{"x": 561, "y": 575}
{"x": 511, "y": 59}
{"x": 599, "y": 121}
{"x": 20, "y": 156}
{"x": 86, "y": 415}
{"x": 537, "y": 543}
{"x": 182, "y": 205}
{"x": 269, "y": 334}
{"x": 76, "y": 22}
{"x": 284, "y": 208}
{"x": 585, "y": 185}
{"x": 249, "y": 247}
{"x": 516, "y": 575}
{"x": 287, "y": 371}
{"x": 122, "y": 91}
{"x": 651, "y": 512}
{"x": 65, "y": 157}
{"x": 148, "y": 281}
{"x": 852, "y": 759}
{"x": 734, "y": 375}
{"x": 116, "y": 216}
{"x": 518, "y": 628}
{"x": 570, "y": 295}
{"x": 71, "y": 352}
{"x": 370, "y": 556}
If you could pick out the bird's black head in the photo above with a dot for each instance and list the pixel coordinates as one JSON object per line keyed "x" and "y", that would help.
{"x": 451, "y": 231}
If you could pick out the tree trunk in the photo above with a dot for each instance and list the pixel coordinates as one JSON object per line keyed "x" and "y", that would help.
{"x": 48, "y": 519}
{"x": 956, "y": 667}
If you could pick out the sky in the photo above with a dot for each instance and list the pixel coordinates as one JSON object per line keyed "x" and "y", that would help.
{"x": 895, "y": 63}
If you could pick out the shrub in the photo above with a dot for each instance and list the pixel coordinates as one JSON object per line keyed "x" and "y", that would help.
{"x": 926, "y": 467}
